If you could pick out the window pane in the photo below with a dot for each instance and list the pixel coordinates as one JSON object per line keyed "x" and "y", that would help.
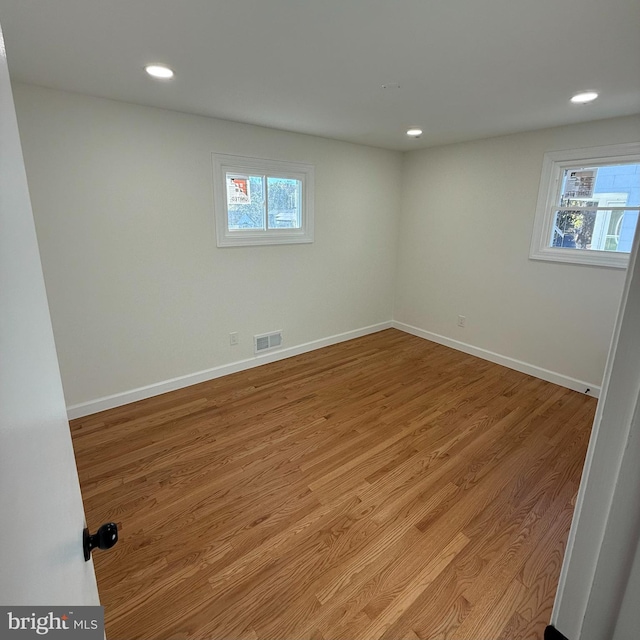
{"x": 285, "y": 198}
{"x": 614, "y": 185}
{"x": 573, "y": 229}
{"x": 599, "y": 230}
{"x": 245, "y": 201}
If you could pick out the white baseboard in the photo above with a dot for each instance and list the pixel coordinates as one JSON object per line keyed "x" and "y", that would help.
{"x": 511, "y": 363}
{"x": 141, "y": 393}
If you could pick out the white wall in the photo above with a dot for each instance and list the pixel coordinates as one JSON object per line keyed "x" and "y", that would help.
{"x": 465, "y": 229}
{"x": 139, "y": 292}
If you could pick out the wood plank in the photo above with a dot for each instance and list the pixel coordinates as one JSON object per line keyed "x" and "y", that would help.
{"x": 413, "y": 590}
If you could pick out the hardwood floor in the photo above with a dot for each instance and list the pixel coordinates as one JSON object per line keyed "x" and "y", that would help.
{"x": 386, "y": 487}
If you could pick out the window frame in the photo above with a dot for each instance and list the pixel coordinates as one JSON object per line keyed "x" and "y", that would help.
{"x": 553, "y": 167}
{"x": 225, "y": 163}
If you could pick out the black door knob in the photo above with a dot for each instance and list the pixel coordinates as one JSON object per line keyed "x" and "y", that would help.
{"x": 104, "y": 538}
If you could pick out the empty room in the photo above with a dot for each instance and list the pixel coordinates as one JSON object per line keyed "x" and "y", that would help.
{"x": 320, "y": 320}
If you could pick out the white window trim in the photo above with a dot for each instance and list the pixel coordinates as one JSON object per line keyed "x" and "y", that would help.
{"x": 553, "y": 166}
{"x": 223, "y": 163}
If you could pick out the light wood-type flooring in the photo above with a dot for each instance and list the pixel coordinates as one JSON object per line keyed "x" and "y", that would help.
{"x": 386, "y": 487}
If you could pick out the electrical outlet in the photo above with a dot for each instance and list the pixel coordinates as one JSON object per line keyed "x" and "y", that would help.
{"x": 233, "y": 338}
{"x": 462, "y": 321}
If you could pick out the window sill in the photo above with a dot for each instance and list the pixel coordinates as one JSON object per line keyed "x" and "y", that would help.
{"x": 244, "y": 239}
{"x": 607, "y": 259}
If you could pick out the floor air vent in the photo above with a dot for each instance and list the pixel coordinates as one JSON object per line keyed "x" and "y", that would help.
{"x": 267, "y": 341}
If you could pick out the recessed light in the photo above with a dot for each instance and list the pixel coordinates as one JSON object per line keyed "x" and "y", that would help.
{"x": 585, "y": 96}
{"x": 159, "y": 71}
{"x": 414, "y": 132}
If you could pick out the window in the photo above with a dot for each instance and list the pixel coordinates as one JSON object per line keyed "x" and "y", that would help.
{"x": 588, "y": 206}
{"x": 258, "y": 201}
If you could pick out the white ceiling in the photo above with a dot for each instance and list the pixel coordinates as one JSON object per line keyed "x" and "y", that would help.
{"x": 466, "y": 68}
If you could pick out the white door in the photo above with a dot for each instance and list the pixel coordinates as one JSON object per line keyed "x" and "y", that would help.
{"x": 41, "y": 513}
